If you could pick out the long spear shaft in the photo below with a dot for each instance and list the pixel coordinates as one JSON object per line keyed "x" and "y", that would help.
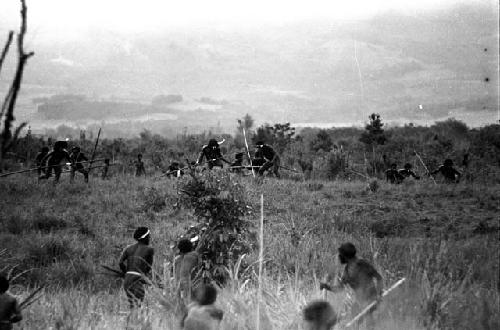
{"x": 423, "y": 164}
{"x": 246, "y": 146}
{"x": 370, "y": 306}
{"x": 44, "y": 167}
{"x": 95, "y": 148}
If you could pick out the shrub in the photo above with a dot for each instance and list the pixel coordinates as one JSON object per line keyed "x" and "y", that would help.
{"x": 219, "y": 206}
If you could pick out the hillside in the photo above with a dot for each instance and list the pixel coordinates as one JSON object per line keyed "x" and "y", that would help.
{"x": 317, "y": 71}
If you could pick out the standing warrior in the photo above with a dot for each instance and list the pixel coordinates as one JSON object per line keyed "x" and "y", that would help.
{"x": 136, "y": 262}
{"x": 407, "y": 172}
{"x": 54, "y": 159}
{"x": 104, "y": 174}
{"x": 9, "y": 307}
{"x": 450, "y": 174}
{"x": 77, "y": 157}
{"x": 211, "y": 152}
{"x": 271, "y": 158}
{"x": 392, "y": 175}
{"x": 185, "y": 265}
{"x": 139, "y": 166}
{"x": 362, "y": 277}
{"x": 39, "y": 158}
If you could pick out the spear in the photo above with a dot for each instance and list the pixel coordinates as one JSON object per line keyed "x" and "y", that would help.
{"x": 34, "y": 296}
{"x": 421, "y": 161}
{"x": 370, "y": 306}
{"x": 246, "y": 145}
{"x": 95, "y": 147}
{"x": 44, "y": 167}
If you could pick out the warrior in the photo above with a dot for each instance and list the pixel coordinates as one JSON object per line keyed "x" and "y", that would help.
{"x": 202, "y": 314}
{"x": 136, "y": 262}
{"x": 319, "y": 315}
{"x": 139, "y": 166}
{"x": 272, "y": 160}
{"x": 54, "y": 159}
{"x": 212, "y": 153}
{"x": 362, "y": 277}
{"x": 392, "y": 175}
{"x": 450, "y": 174}
{"x": 10, "y": 312}
{"x": 185, "y": 265}
{"x": 38, "y": 160}
{"x": 77, "y": 157}
{"x": 407, "y": 172}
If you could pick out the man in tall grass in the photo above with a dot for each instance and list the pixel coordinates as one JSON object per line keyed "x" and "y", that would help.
{"x": 213, "y": 155}
{"x": 450, "y": 174}
{"x": 362, "y": 277}
{"x": 136, "y": 262}
{"x": 9, "y": 307}
{"x": 185, "y": 266}
{"x": 271, "y": 157}
{"x": 54, "y": 159}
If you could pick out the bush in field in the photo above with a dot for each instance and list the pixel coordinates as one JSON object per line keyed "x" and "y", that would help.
{"x": 219, "y": 206}
{"x": 153, "y": 199}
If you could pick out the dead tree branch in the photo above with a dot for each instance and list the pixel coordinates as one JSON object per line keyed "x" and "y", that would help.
{"x": 6, "y": 49}
{"x": 7, "y": 139}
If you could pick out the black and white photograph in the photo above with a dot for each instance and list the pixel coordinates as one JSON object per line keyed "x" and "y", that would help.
{"x": 249, "y": 165}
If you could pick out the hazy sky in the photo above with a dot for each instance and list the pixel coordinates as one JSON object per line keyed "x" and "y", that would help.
{"x": 142, "y": 15}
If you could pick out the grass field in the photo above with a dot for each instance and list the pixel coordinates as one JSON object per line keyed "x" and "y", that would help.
{"x": 443, "y": 239}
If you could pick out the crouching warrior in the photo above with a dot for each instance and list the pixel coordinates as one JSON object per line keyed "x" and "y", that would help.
{"x": 362, "y": 277}
{"x": 77, "y": 158}
{"x": 212, "y": 153}
{"x": 271, "y": 159}
{"x": 54, "y": 159}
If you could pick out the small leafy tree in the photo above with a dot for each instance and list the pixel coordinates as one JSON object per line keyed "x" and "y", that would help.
{"x": 374, "y": 133}
{"x": 323, "y": 141}
{"x": 279, "y": 135}
{"x": 219, "y": 207}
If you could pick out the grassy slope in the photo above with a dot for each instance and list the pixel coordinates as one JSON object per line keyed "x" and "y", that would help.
{"x": 444, "y": 239}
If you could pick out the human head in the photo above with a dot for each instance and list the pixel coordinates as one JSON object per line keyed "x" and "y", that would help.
{"x": 319, "y": 315}
{"x": 45, "y": 149}
{"x": 347, "y": 251}
{"x": 142, "y": 235}
{"x": 4, "y": 284}
{"x": 205, "y": 294}
{"x": 259, "y": 144}
{"x": 213, "y": 143}
{"x": 448, "y": 162}
{"x": 408, "y": 166}
{"x": 394, "y": 165}
{"x": 185, "y": 246}
{"x": 106, "y": 161}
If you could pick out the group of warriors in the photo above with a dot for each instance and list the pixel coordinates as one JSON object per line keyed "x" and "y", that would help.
{"x": 449, "y": 173}
{"x": 53, "y": 161}
{"x": 198, "y": 296}
{"x": 265, "y": 160}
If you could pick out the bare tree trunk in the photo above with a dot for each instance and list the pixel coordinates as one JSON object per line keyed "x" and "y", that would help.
{"x": 6, "y": 49}
{"x": 7, "y": 138}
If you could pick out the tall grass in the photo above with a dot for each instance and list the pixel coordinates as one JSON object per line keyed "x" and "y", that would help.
{"x": 444, "y": 239}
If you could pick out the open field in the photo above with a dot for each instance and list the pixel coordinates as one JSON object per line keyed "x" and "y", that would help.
{"x": 443, "y": 238}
